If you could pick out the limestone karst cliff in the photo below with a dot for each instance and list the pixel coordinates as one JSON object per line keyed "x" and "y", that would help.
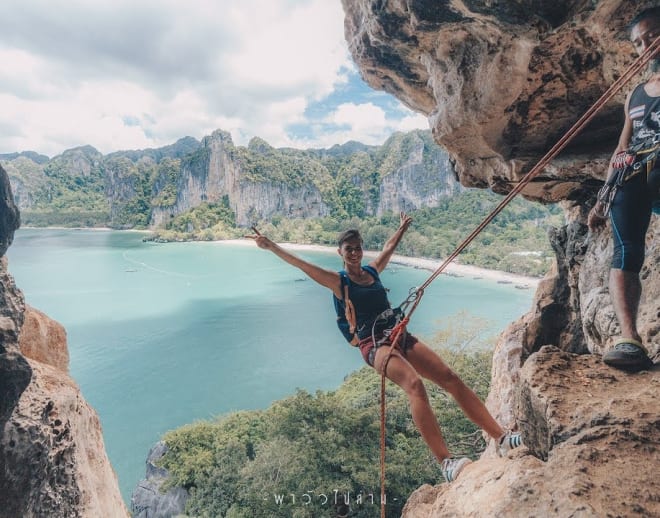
{"x": 150, "y": 187}
{"x": 52, "y": 458}
{"x": 500, "y": 82}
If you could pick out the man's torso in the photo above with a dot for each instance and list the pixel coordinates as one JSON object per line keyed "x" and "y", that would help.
{"x": 644, "y": 113}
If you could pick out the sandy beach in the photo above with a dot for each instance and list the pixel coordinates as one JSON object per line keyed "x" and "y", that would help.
{"x": 454, "y": 268}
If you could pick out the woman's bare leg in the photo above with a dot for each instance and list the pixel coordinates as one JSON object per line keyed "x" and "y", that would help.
{"x": 403, "y": 374}
{"x": 429, "y": 365}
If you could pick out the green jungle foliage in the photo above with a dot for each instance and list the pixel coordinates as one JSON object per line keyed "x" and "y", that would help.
{"x": 206, "y": 222}
{"x": 165, "y": 182}
{"x": 70, "y": 200}
{"x": 81, "y": 187}
{"x": 516, "y": 241}
{"x": 65, "y": 218}
{"x": 280, "y": 462}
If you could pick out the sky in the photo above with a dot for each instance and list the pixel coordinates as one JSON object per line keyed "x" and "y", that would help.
{"x": 135, "y": 74}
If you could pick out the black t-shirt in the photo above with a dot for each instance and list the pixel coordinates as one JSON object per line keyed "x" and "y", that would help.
{"x": 644, "y": 111}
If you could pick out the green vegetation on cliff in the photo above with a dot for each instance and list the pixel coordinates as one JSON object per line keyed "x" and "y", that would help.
{"x": 131, "y": 189}
{"x": 516, "y": 241}
{"x": 72, "y": 192}
{"x": 254, "y": 464}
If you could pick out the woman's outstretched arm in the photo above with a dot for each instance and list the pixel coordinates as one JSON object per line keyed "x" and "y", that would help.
{"x": 324, "y": 277}
{"x": 390, "y": 246}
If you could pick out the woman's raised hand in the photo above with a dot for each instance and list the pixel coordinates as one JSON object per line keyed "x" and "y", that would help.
{"x": 261, "y": 240}
{"x": 405, "y": 221}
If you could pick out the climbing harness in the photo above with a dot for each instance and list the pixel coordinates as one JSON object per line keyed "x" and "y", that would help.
{"x": 627, "y": 164}
{"x": 414, "y": 301}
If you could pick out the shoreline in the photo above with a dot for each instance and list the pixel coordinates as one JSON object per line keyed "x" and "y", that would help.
{"x": 93, "y": 229}
{"x": 453, "y": 269}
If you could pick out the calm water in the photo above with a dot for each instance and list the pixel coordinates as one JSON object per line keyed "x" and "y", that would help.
{"x": 161, "y": 335}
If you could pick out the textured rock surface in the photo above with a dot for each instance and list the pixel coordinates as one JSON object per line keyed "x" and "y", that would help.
{"x": 220, "y": 175}
{"x": 500, "y": 82}
{"x": 15, "y": 373}
{"x": 52, "y": 457}
{"x": 598, "y": 433}
{"x": 416, "y": 185}
{"x": 148, "y": 501}
{"x": 53, "y": 454}
{"x": 44, "y": 340}
{"x": 9, "y": 216}
{"x": 411, "y": 171}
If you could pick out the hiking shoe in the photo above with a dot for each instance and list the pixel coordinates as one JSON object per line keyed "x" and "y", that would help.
{"x": 509, "y": 441}
{"x": 452, "y": 467}
{"x": 628, "y": 354}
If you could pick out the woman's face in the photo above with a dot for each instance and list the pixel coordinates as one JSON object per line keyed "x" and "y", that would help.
{"x": 351, "y": 251}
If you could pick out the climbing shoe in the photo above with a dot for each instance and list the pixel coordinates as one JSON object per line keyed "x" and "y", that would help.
{"x": 452, "y": 467}
{"x": 628, "y": 354}
{"x": 509, "y": 441}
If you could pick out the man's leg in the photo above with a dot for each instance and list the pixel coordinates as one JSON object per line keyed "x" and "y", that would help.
{"x": 628, "y": 352}
{"x": 625, "y": 292}
{"x": 630, "y": 215}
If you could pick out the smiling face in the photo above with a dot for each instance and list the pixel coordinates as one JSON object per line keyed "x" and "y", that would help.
{"x": 351, "y": 251}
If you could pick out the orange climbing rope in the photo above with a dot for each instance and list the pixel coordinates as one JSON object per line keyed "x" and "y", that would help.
{"x": 415, "y": 299}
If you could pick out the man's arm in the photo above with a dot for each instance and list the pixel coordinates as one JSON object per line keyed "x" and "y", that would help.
{"x": 624, "y": 138}
{"x": 326, "y": 278}
{"x": 596, "y": 218}
{"x": 390, "y": 246}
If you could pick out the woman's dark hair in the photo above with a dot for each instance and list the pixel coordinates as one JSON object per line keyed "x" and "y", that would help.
{"x": 652, "y": 13}
{"x": 352, "y": 233}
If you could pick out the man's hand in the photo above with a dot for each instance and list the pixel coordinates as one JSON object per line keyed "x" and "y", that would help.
{"x": 596, "y": 220}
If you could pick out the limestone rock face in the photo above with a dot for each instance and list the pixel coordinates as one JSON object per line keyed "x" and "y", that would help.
{"x": 15, "y": 373}
{"x": 52, "y": 458}
{"x": 415, "y": 184}
{"x": 148, "y": 501}
{"x": 44, "y": 340}
{"x": 595, "y": 436}
{"x": 500, "y": 81}
{"x": 53, "y": 454}
{"x": 218, "y": 174}
{"x": 10, "y": 218}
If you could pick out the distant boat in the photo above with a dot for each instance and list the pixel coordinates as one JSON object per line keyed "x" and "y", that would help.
{"x": 522, "y": 286}
{"x": 502, "y": 281}
{"x": 300, "y": 279}
{"x": 130, "y": 270}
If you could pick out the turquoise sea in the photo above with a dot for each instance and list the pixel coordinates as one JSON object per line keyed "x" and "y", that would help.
{"x": 161, "y": 335}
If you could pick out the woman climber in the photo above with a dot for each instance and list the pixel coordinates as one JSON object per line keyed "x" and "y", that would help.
{"x": 368, "y": 311}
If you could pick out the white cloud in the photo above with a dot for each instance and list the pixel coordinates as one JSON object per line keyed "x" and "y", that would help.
{"x": 366, "y": 123}
{"x": 127, "y": 74}
{"x": 412, "y": 122}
